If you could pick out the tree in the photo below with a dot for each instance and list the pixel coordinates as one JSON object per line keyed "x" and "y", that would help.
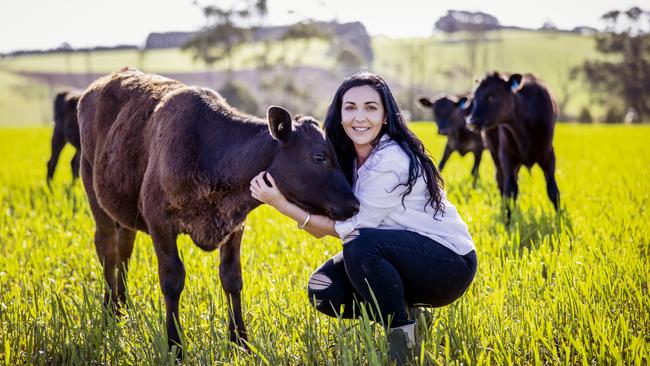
{"x": 282, "y": 84}
{"x": 226, "y": 31}
{"x": 306, "y": 31}
{"x": 622, "y": 80}
{"x": 475, "y": 26}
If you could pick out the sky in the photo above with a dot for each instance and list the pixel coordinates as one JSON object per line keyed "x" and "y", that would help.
{"x": 43, "y": 24}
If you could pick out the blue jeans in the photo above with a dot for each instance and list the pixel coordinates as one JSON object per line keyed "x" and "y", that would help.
{"x": 401, "y": 268}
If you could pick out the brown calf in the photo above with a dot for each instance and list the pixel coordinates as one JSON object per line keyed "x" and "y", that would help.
{"x": 166, "y": 159}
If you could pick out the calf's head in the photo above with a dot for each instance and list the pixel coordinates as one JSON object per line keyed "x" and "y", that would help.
{"x": 448, "y": 112}
{"x": 305, "y": 167}
{"x": 494, "y": 100}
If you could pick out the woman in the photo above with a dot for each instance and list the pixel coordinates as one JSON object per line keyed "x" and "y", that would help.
{"x": 407, "y": 244}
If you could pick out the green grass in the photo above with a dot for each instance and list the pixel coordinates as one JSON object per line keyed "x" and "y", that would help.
{"x": 163, "y": 60}
{"x": 552, "y": 289}
{"x": 23, "y": 101}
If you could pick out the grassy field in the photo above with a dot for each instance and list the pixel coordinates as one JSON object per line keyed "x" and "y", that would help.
{"x": 166, "y": 60}
{"x": 441, "y": 62}
{"x": 551, "y": 289}
{"x": 437, "y": 63}
{"x": 23, "y": 101}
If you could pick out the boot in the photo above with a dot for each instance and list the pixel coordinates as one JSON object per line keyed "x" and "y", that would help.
{"x": 402, "y": 344}
{"x": 423, "y": 318}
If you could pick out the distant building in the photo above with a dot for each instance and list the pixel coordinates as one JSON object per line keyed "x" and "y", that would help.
{"x": 167, "y": 40}
{"x": 584, "y": 30}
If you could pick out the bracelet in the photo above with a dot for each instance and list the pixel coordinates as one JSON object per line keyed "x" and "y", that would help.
{"x": 302, "y": 226}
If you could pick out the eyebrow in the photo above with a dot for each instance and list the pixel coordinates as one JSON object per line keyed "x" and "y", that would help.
{"x": 369, "y": 102}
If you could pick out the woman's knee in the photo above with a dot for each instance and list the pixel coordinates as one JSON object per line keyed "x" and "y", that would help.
{"x": 320, "y": 293}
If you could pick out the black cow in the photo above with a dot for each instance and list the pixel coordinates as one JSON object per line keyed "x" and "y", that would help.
{"x": 66, "y": 130}
{"x": 516, "y": 115}
{"x": 449, "y": 114}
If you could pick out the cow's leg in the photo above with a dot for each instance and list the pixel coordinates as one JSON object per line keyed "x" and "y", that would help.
{"x": 74, "y": 164}
{"x": 509, "y": 169}
{"x": 106, "y": 239}
{"x": 171, "y": 272}
{"x": 125, "y": 239}
{"x": 491, "y": 141}
{"x": 500, "y": 179}
{"x": 58, "y": 141}
{"x": 498, "y": 172}
{"x": 232, "y": 283}
{"x": 445, "y": 156}
{"x": 477, "y": 162}
{"x": 548, "y": 166}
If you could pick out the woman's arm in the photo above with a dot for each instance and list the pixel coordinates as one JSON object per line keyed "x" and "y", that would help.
{"x": 318, "y": 225}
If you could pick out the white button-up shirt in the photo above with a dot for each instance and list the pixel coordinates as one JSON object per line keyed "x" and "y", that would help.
{"x": 377, "y": 186}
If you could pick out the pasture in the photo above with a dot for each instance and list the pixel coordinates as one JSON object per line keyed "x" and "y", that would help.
{"x": 570, "y": 288}
{"x": 437, "y": 62}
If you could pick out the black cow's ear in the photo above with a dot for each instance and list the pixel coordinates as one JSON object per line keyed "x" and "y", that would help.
{"x": 280, "y": 122}
{"x": 425, "y": 102}
{"x": 514, "y": 82}
{"x": 463, "y": 103}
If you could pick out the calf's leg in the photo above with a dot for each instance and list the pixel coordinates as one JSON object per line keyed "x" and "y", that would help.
{"x": 232, "y": 283}
{"x": 509, "y": 169}
{"x": 124, "y": 240}
{"x": 477, "y": 162}
{"x": 113, "y": 244}
{"x": 74, "y": 164}
{"x": 491, "y": 141}
{"x": 58, "y": 141}
{"x": 445, "y": 157}
{"x": 548, "y": 166}
{"x": 171, "y": 273}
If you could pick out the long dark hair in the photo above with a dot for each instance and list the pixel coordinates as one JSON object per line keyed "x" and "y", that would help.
{"x": 420, "y": 161}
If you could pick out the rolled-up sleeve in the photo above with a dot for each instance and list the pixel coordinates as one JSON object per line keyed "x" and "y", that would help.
{"x": 379, "y": 191}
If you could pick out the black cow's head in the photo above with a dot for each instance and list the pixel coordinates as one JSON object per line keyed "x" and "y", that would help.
{"x": 494, "y": 100}
{"x": 306, "y": 168}
{"x": 448, "y": 112}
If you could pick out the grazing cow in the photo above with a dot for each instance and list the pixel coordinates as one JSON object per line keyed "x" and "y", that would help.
{"x": 449, "y": 114}
{"x": 166, "y": 159}
{"x": 66, "y": 129}
{"x": 516, "y": 115}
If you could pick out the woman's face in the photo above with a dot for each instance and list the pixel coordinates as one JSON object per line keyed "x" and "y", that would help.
{"x": 362, "y": 115}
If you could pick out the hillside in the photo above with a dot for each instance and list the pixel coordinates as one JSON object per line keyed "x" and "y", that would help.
{"x": 412, "y": 66}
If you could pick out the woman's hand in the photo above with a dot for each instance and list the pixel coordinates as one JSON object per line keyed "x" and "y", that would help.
{"x": 265, "y": 193}
{"x": 317, "y": 226}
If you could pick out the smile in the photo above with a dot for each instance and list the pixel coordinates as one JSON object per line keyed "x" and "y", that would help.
{"x": 361, "y": 128}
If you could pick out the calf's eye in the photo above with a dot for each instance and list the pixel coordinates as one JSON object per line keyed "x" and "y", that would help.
{"x": 319, "y": 158}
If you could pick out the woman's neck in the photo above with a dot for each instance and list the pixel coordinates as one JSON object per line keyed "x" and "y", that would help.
{"x": 363, "y": 152}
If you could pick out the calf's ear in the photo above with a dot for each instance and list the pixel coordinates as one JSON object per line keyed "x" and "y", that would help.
{"x": 514, "y": 82}
{"x": 425, "y": 102}
{"x": 280, "y": 122}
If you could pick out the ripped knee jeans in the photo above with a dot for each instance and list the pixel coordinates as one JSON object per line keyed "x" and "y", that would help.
{"x": 392, "y": 269}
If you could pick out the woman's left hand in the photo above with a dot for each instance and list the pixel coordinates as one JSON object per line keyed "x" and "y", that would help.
{"x": 265, "y": 193}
